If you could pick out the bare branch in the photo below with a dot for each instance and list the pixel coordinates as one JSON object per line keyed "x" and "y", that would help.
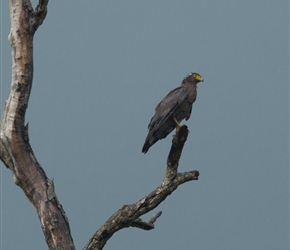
{"x": 139, "y": 223}
{"x": 129, "y": 215}
{"x": 39, "y": 14}
{"x": 175, "y": 152}
{"x": 17, "y": 154}
{"x": 154, "y": 217}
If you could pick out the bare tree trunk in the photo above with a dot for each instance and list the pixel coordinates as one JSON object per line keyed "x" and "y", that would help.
{"x": 17, "y": 154}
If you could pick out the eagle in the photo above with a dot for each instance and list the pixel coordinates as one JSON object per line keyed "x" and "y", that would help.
{"x": 173, "y": 108}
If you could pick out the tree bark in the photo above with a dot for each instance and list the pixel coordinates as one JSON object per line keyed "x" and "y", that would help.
{"x": 15, "y": 149}
{"x": 129, "y": 215}
{"x": 17, "y": 154}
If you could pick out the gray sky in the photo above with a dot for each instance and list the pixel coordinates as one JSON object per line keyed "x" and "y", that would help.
{"x": 100, "y": 69}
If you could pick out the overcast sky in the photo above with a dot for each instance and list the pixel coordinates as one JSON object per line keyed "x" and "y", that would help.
{"x": 100, "y": 69}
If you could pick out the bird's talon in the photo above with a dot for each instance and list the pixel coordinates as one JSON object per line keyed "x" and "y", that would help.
{"x": 177, "y": 124}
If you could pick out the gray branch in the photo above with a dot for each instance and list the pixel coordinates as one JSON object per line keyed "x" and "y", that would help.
{"x": 17, "y": 154}
{"x": 139, "y": 223}
{"x": 129, "y": 215}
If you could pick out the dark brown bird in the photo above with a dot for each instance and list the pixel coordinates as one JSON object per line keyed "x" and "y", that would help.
{"x": 174, "y": 107}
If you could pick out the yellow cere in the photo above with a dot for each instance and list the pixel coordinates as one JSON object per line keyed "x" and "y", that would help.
{"x": 197, "y": 77}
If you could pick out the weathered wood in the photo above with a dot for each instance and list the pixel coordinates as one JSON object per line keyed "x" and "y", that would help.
{"x": 15, "y": 150}
{"x": 129, "y": 215}
{"x": 17, "y": 154}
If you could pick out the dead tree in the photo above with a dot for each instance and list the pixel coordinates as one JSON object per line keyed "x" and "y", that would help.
{"x": 17, "y": 154}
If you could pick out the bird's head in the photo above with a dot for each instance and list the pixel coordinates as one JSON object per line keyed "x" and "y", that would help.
{"x": 193, "y": 77}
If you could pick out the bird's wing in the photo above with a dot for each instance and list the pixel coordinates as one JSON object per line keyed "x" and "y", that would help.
{"x": 167, "y": 106}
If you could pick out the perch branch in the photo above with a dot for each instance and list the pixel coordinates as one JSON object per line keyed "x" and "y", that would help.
{"x": 17, "y": 154}
{"x": 129, "y": 215}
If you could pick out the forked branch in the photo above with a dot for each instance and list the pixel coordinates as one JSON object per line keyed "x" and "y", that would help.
{"x": 129, "y": 215}
{"x": 17, "y": 154}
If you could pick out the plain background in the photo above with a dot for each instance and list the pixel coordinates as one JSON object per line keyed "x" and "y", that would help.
{"x": 100, "y": 69}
